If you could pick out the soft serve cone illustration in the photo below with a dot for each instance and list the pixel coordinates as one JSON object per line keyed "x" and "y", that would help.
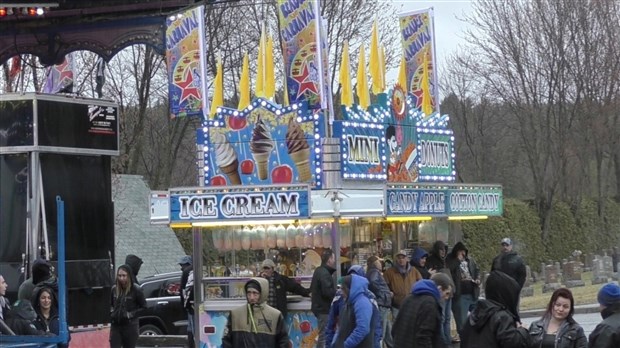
{"x": 261, "y": 146}
{"x": 298, "y": 149}
{"x": 226, "y": 158}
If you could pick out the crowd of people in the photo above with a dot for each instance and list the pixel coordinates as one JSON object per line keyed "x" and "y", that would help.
{"x": 406, "y": 305}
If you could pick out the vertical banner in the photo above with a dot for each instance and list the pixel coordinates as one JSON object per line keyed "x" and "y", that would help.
{"x": 60, "y": 77}
{"x": 418, "y": 39}
{"x": 299, "y": 20}
{"x": 186, "y": 62}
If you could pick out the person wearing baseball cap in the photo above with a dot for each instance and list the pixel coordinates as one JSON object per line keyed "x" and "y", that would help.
{"x": 509, "y": 262}
{"x": 607, "y": 332}
{"x": 400, "y": 279}
{"x": 279, "y": 285}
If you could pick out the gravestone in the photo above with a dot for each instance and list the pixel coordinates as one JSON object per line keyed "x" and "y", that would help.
{"x": 588, "y": 262}
{"x": 608, "y": 265}
{"x": 599, "y": 275}
{"x": 616, "y": 275}
{"x": 572, "y": 274}
{"x": 552, "y": 279}
{"x": 528, "y": 289}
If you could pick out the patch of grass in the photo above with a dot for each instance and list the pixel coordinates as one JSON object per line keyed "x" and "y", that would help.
{"x": 583, "y": 294}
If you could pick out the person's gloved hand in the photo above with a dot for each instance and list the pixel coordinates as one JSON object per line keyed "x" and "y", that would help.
{"x": 129, "y": 315}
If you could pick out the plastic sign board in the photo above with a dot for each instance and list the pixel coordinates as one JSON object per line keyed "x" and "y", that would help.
{"x": 453, "y": 200}
{"x": 362, "y": 150}
{"x": 230, "y": 205}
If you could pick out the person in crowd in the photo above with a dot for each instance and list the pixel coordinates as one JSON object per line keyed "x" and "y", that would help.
{"x": 607, "y": 333}
{"x": 279, "y": 285}
{"x": 379, "y": 287}
{"x": 494, "y": 321}
{"x": 436, "y": 261}
{"x": 17, "y": 319}
{"x": 509, "y": 262}
{"x": 418, "y": 260}
{"x": 400, "y": 279}
{"x": 127, "y": 300}
{"x": 134, "y": 262}
{"x": 466, "y": 277}
{"x": 323, "y": 290}
{"x": 41, "y": 270}
{"x": 256, "y": 324}
{"x": 355, "y": 327}
{"x": 5, "y": 306}
{"x": 46, "y": 308}
{"x": 187, "y": 294}
{"x": 418, "y": 323}
{"x": 557, "y": 328}
{"x": 338, "y": 304}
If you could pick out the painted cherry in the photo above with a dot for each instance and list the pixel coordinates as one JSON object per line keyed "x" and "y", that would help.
{"x": 237, "y": 122}
{"x": 247, "y": 167}
{"x": 218, "y": 180}
{"x": 305, "y": 326}
{"x": 282, "y": 174}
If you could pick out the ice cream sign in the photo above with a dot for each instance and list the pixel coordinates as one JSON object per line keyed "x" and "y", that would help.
{"x": 276, "y": 204}
{"x": 449, "y": 200}
{"x": 362, "y": 150}
{"x": 264, "y": 144}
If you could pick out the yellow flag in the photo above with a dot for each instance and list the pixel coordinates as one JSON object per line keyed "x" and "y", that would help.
{"x": 218, "y": 88}
{"x": 402, "y": 74}
{"x": 270, "y": 82}
{"x": 427, "y": 105}
{"x": 260, "y": 66}
{"x": 376, "y": 71}
{"x": 362, "y": 81}
{"x": 244, "y": 84}
{"x": 346, "y": 92}
{"x": 285, "y": 101}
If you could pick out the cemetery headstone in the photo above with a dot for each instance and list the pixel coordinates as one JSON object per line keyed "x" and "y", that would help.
{"x": 552, "y": 279}
{"x": 599, "y": 275}
{"x": 572, "y": 274}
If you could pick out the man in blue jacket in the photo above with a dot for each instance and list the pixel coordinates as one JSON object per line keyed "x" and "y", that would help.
{"x": 354, "y": 324}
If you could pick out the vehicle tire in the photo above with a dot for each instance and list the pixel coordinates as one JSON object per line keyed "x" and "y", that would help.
{"x": 150, "y": 330}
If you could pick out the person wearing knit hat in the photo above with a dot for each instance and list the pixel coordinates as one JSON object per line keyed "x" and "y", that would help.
{"x": 255, "y": 324}
{"x": 607, "y": 332}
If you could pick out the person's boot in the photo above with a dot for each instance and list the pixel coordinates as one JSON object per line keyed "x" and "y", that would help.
{"x": 190, "y": 340}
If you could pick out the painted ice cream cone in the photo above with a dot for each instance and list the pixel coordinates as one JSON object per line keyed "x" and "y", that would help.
{"x": 261, "y": 146}
{"x": 298, "y": 149}
{"x": 226, "y": 158}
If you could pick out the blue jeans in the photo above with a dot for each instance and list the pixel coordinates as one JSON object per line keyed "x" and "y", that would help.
{"x": 461, "y": 308}
{"x": 445, "y": 322}
{"x": 386, "y": 326}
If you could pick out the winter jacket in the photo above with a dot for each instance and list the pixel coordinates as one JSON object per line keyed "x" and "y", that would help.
{"x": 454, "y": 265}
{"x": 492, "y": 323}
{"x": 187, "y": 293}
{"x": 20, "y": 317}
{"x": 401, "y": 283}
{"x": 338, "y": 305}
{"x": 355, "y": 329}
{"x": 52, "y": 324}
{"x": 283, "y": 285}
{"x": 134, "y": 262}
{"x": 126, "y": 307}
{"x": 256, "y": 326}
{"x": 434, "y": 259}
{"x": 323, "y": 289}
{"x": 569, "y": 335}
{"x": 418, "y": 254}
{"x": 378, "y": 286}
{"x": 607, "y": 333}
{"x": 418, "y": 323}
{"x": 512, "y": 264}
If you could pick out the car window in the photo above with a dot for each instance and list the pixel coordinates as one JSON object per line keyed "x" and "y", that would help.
{"x": 171, "y": 287}
{"x": 151, "y": 289}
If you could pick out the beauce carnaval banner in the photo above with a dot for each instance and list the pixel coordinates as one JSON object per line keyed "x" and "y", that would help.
{"x": 264, "y": 144}
{"x": 185, "y": 43}
{"x": 299, "y": 20}
{"x": 418, "y": 39}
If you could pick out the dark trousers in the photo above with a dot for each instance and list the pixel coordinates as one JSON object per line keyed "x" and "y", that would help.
{"x": 124, "y": 336}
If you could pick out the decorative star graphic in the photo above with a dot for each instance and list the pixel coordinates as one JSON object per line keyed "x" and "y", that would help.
{"x": 304, "y": 83}
{"x": 419, "y": 95}
{"x": 187, "y": 90}
{"x": 66, "y": 74}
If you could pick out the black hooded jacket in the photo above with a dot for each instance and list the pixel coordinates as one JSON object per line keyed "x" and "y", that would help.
{"x": 607, "y": 332}
{"x": 454, "y": 265}
{"x": 512, "y": 264}
{"x": 134, "y": 262}
{"x": 493, "y": 322}
{"x": 434, "y": 259}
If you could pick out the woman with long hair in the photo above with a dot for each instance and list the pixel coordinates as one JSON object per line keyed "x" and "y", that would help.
{"x": 127, "y": 300}
{"x": 557, "y": 328}
{"x": 46, "y": 307}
